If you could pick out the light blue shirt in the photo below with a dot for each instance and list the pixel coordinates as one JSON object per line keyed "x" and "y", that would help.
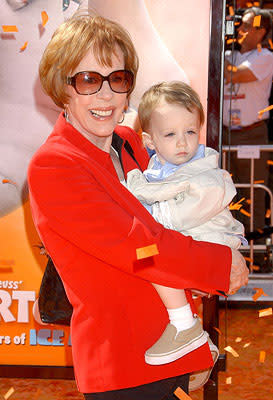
{"x": 159, "y": 172}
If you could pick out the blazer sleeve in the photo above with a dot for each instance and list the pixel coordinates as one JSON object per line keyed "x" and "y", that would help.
{"x": 68, "y": 200}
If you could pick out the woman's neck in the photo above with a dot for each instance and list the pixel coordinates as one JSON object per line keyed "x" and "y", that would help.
{"x": 102, "y": 142}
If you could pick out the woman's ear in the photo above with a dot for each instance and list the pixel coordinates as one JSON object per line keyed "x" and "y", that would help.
{"x": 148, "y": 140}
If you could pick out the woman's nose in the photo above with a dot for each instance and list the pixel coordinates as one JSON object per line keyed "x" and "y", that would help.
{"x": 105, "y": 91}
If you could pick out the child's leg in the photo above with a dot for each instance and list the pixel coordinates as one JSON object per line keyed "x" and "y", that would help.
{"x": 182, "y": 335}
{"x": 171, "y": 298}
{"x": 177, "y": 305}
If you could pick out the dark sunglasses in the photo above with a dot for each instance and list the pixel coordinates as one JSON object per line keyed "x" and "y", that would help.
{"x": 89, "y": 82}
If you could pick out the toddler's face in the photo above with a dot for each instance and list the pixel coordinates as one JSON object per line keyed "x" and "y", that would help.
{"x": 174, "y": 133}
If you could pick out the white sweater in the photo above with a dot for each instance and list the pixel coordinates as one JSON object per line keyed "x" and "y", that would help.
{"x": 193, "y": 200}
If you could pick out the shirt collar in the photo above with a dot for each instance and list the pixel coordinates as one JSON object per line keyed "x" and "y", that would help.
{"x": 160, "y": 172}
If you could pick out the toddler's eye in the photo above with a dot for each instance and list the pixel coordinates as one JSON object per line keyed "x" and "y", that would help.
{"x": 191, "y": 133}
{"x": 169, "y": 134}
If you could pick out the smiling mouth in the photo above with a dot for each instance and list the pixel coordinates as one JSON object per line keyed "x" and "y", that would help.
{"x": 101, "y": 113}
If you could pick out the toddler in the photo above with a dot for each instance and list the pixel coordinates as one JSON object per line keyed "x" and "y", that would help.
{"x": 185, "y": 190}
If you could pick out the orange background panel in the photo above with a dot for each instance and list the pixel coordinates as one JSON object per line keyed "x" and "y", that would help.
{"x": 20, "y": 260}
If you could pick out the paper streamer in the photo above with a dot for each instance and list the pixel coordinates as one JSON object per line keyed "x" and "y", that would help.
{"x": 9, "y": 28}
{"x": 231, "y": 351}
{"x": 148, "y": 251}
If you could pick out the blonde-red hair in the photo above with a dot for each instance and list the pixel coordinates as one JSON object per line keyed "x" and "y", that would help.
{"x": 70, "y": 43}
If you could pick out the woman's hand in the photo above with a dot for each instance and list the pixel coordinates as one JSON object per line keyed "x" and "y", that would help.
{"x": 239, "y": 272}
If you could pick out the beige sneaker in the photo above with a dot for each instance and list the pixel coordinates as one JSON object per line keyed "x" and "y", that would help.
{"x": 199, "y": 379}
{"x": 172, "y": 346}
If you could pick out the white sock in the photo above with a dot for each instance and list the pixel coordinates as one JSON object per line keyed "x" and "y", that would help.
{"x": 182, "y": 317}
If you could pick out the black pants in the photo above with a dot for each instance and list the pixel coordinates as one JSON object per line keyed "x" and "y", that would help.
{"x": 160, "y": 390}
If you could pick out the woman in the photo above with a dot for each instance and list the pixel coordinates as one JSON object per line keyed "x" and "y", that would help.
{"x": 94, "y": 229}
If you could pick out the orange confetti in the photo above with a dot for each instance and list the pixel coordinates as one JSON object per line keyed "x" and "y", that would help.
{"x": 231, "y": 351}
{"x": 245, "y": 212}
{"x": 44, "y": 18}
{"x": 256, "y": 4}
{"x": 229, "y": 380}
{"x": 268, "y": 213}
{"x": 266, "y": 109}
{"x": 249, "y": 4}
{"x": 260, "y": 181}
{"x": 229, "y": 41}
{"x": 248, "y": 201}
{"x": 9, "y": 28}
{"x": 238, "y": 339}
{"x": 270, "y": 44}
{"x": 248, "y": 259}
{"x": 265, "y": 312}
{"x": 269, "y": 162}
{"x": 246, "y": 345}
{"x": 260, "y": 230}
{"x": 8, "y": 181}
{"x": 255, "y": 267}
{"x": 243, "y": 36}
{"x": 257, "y": 21}
{"x": 24, "y": 46}
{"x": 236, "y": 206}
{"x": 181, "y": 395}
{"x": 237, "y": 23}
{"x": 232, "y": 68}
{"x": 262, "y": 356}
{"x": 147, "y": 251}
{"x": 259, "y": 292}
{"x": 9, "y": 393}
{"x": 240, "y": 41}
{"x": 231, "y": 11}
{"x": 259, "y": 47}
{"x": 217, "y": 330}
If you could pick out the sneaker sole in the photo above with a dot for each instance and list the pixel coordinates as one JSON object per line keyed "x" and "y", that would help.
{"x": 199, "y": 379}
{"x": 181, "y": 352}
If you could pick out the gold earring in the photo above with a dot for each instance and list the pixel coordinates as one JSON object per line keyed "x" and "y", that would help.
{"x": 66, "y": 112}
{"x": 123, "y": 115}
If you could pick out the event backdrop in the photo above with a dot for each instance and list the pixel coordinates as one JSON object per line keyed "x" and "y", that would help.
{"x": 172, "y": 40}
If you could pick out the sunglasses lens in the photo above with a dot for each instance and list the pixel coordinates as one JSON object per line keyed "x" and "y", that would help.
{"x": 121, "y": 81}
{"x": 88, "y": 82}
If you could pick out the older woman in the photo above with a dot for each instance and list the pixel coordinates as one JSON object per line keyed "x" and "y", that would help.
{"x": 95, "y": 230}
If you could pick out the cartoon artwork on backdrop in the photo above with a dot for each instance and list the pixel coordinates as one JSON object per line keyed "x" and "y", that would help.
{"x": 172, "y": 44}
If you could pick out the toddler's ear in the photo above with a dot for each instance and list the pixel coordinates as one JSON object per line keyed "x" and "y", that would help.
{"x": 148, "y": 141}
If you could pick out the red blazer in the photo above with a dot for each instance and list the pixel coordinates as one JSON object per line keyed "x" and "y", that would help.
{"x": 91, "y": 226}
